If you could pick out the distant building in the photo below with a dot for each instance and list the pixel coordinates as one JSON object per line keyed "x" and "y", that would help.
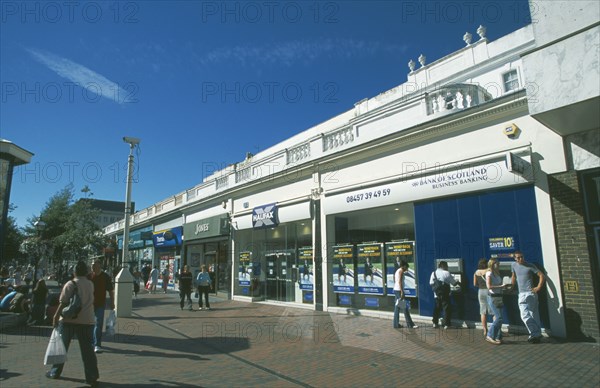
{"x": 110, "y": 211}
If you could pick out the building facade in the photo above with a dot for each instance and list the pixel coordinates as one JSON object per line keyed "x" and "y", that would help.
{"x": 450, "y": 165}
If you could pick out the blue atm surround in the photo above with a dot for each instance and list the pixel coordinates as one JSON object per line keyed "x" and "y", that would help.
{"x": 460, "y": 227}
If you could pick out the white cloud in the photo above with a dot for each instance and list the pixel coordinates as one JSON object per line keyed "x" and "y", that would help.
{"x": 290, "y": 53}
{"x": 82, "y": 76}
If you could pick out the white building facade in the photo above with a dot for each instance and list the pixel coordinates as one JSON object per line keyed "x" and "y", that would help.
{"x": 450, "y": 165}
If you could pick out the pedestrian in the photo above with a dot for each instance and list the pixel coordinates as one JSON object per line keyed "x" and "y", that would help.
{"x": 146, "y": 273}
{"x": 442, "y": 297}
{"x": 102, "y": 284}
{"x": 153, "y": 279}
{"x": 482, "y": 294}
{"x": 204, "y": 282}
{"x": 38, "y": 307}
{"x": 28, "y": 276}
{"x": 165, "y": 278}
{"x": 81, "y": 326}
{"x": 400, "y": 297}
{"x": 185, "y": 287}
{"x": 495, "y": 287}
{"x": 522, "y": 275}
{"x": 136, "y": 282}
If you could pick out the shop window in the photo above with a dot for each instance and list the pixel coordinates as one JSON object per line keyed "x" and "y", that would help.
{"x": 275, "y": 263}
{"x": 365, "y": 248}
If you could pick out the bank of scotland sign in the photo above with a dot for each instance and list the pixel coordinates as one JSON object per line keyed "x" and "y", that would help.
{"x": 265, "y": 216}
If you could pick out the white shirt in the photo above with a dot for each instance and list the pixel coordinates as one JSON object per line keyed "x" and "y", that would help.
{"x": 444, "y": 276}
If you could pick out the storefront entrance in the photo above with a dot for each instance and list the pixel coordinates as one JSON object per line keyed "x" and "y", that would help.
{"x": 281, "y": 276}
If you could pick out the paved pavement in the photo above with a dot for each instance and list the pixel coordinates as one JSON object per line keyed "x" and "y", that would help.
{"x": 241, "y": 344}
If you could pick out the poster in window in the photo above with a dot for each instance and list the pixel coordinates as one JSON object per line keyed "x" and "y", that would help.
{"x": 395, "y": 252}
{"x": 245, "y": 271}
{"x": 305, "y": 257}
{"x": 370, "y": 268}
{"x": 343, "y": 268}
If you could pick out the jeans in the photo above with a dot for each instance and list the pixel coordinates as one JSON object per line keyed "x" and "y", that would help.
{"x": 203, "y": 290}
{"x": 528, "y": 304}
{"x": 407, "y": 317}
{"x": 442, "y": 303}
{"x": 495, "y": 303}
{"x": 85, "y": 337}
{"x": 99, "y": 313}
{"x": 182, "y": 295}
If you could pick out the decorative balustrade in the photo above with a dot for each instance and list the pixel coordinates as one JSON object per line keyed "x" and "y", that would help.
{"x": 243, "y": 175}
{"x": 222, "y": 182}
{"x": 298, "y": 154}
{"x": 336, "y": 139}
{"x": 455, "y": 97}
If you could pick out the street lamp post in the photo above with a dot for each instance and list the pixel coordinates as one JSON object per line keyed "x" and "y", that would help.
{"x": 124, "y": 280}
{"x": 39, "y": 226}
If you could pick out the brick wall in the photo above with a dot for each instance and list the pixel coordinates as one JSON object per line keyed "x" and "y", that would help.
{"x": 579, "y": 290}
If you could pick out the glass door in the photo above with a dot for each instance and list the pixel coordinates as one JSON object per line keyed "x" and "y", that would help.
{"x": 281, "y": 276}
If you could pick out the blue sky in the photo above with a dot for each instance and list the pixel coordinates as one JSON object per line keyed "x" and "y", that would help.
{"x": 200, "y": 82}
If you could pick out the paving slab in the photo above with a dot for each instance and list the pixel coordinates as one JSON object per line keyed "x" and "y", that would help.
{"x": 253, "y": 344}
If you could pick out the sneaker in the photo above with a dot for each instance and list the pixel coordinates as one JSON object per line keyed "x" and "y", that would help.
{"x": 447, "y": 327}
{"x": 208, "y": 308}
{"x": 97, "y": 349}
{"x": 52, "y": 375}
{"x": 436, "y": 326}
{"x": 414, "y": 327}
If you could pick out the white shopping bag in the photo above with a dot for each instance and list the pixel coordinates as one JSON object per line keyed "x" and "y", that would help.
{"x": 56, "y": 353}
{"x": 111, "y": 323}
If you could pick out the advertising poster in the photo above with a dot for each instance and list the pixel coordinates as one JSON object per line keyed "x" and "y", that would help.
{"x": 501, "y": 247}
{"x": 395, "y": 252}
{"x": 245, "y": 271}
{"x": 370, "y": 268}
{"x": 343, "y": 268}
{"x": 305, "y": 264}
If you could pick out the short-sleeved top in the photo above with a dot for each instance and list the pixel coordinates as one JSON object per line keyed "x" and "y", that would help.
{"x": 102, "y": 285}
{"x": 154, "y": 275}
{"x": 524, "y": 273}
{"x": 85, "y": 288}
{"x": 495, "y": 280}
{"x": 444, "y": 276}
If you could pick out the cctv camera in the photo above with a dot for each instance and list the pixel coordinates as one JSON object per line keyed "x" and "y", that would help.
{"x": 131, "y": 140}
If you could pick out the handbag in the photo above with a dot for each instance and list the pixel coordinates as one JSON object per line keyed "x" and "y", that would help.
{"x": 56, "y": 353}
{"x": 74, "y": 306}
{"x": 401, "y": 303}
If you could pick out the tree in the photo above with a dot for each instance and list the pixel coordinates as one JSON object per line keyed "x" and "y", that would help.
{"x": 71, "y": 230}
{"x": 83, "y": 236}
{"x": 13, "y": 239}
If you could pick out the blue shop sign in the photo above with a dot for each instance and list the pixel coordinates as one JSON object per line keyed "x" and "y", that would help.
{"x": 138, "y": 239}
{"x": 168, "y": 238}
{"x": 266, "y": 216}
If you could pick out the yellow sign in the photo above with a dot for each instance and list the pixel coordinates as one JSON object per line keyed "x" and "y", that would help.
{"x": 571, "y": 286}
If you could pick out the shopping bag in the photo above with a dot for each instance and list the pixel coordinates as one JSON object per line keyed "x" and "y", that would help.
{"x": 111, "y": 323}
{"x": 56, "y": 353}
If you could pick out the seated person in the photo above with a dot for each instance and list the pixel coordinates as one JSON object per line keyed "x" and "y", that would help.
{"x": 20, "y": 303}
{"x": 5, "y": 303}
